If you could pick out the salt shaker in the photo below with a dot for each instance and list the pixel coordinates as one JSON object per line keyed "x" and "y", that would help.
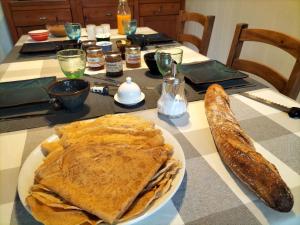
{"x": 172, "y": 101}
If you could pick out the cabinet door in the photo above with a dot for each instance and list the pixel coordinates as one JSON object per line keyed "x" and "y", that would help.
{"x": 163, "y": 24}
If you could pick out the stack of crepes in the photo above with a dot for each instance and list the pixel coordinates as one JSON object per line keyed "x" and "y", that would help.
{"x": 107, "y": 170}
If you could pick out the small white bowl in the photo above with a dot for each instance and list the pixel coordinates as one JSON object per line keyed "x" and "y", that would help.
{"x": 129, "y": 93}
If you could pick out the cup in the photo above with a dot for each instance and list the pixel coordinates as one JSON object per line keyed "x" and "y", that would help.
{"x": 73, "y": 30}
{"x": 130, "y": 26}
{"x": 72, "y": 62}
{"x": 103, "y": 32}
{"x": 105, "y": 45}
{"x": 91, "y": 31}
{"x": 99, "y": 30}
{"x": 106, "y": 29}
{"x": 164, "y": 58}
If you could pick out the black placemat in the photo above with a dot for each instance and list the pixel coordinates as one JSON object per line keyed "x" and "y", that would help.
{"x": 49, "y": 46}
{"x": 23, "y": 92}
{"x": 98, "y": 105}
{"x": 208, "y": 72}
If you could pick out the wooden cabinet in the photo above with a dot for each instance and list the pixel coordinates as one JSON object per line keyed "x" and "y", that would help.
{"x": 23, "y": 16}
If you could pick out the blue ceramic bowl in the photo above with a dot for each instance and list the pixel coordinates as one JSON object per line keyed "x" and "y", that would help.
{"x": 105, "y": 45}
{"x": 71, "y": 93}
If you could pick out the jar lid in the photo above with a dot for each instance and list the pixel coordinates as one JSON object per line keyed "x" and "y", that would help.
{"x": 133, "y": 47}
{"x": 88, "y": 42}
{"x": 113, "y": 53}
{"x": 94, "y": 49}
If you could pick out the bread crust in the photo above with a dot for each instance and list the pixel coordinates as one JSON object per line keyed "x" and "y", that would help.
{"x": 238, "y": 153}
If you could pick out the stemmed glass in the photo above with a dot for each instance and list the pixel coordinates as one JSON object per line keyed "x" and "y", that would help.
{"x": 130, "y": 26}
{"x": 164, "y": 58}
{"x": 73, "y": 30}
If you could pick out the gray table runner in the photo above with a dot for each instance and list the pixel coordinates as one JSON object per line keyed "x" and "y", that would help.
{"x": 97, "y": 105}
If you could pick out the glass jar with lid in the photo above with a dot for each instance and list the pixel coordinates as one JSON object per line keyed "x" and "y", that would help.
{"x": 95, "y": 58}
{"x": 133, "y": 56}
{"x": 114, "y": 64}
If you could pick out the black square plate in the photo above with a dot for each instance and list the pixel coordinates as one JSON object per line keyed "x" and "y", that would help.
{"x": 209, "y": 72}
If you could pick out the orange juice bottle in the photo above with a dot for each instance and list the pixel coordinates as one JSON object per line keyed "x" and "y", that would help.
{"x": 123, "y": 15}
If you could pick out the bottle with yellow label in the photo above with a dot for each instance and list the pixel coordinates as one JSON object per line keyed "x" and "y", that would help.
{"x": 123, "y": 15}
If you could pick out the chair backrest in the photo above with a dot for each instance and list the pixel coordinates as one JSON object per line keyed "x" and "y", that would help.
{"x": 207, "y": 22}
{"x": 289, "y": 87}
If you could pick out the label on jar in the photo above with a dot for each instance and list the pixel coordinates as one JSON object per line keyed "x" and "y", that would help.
{"x": 95, "y": 61}
{"x": 113, "y": 67}
{"x": 133, "y": 58}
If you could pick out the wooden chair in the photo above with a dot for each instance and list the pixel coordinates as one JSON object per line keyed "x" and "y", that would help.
{"x": 206, "y": 21}
{"x": 289, "y": 87}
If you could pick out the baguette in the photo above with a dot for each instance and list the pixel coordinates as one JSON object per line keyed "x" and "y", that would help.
{"x": 238, "y": 153}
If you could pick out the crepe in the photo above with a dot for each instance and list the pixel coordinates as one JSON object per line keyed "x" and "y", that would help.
{"x": 113, "y": 167}
{"x": 48, "y": 199}
{"x": 54, "y": 216}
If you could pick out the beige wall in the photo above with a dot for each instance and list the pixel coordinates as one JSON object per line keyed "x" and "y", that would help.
{"x": 279, "y": 15}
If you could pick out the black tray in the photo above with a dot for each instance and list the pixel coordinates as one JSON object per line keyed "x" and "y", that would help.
{"x": 51, "y": 46}
{"x": 209, "y": 72}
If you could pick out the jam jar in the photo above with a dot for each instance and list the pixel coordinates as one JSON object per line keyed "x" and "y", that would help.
{"x": 113, "y": 64}
{"x": 95, "y": 58}
{"x": 86, "y": 44}
{"x": 133, "y": 56}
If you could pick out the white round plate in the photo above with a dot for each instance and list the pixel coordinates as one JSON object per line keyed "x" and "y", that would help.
{"x": 142, "y": 97}
{"x": 26, "y": 176}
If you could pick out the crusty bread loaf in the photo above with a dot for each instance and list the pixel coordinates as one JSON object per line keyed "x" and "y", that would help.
{"x": 238, "y": 153}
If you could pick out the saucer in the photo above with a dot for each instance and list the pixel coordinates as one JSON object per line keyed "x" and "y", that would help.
{"x": 142, "y": 97}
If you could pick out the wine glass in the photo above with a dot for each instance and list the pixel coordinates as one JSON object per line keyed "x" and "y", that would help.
{"x": 72, "y": 62}
{"x": 73, "y": 30}
{"x": 164, "y": 58}
{"x": 130, "y": 26}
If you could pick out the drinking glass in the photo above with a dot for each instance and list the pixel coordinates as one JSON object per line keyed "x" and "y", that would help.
{"x": 73, "y": 30}
{"x": 72, "y": 62}
{"x": 164, "y": 58}
{"x": 129, "y": 26}
{"x": 91, "y": 31}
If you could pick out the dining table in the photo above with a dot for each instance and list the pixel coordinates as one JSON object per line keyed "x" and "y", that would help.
{"x": 209, "y": 193}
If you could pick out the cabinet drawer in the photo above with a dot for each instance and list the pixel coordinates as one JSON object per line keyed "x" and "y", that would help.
{"x": 40, "y": 17}
{"x": 25, "y": 30}
{"x": 159, "y": 9}
{"x": 95, "y": 3}
{"x": 100, "y": 15}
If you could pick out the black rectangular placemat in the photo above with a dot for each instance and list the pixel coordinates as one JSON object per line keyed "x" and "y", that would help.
{"x": 208, "y": 72}
{"x": 23, "y": 92}
{"x": 98, "y": 105}
{"x": 49, "y": 46}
